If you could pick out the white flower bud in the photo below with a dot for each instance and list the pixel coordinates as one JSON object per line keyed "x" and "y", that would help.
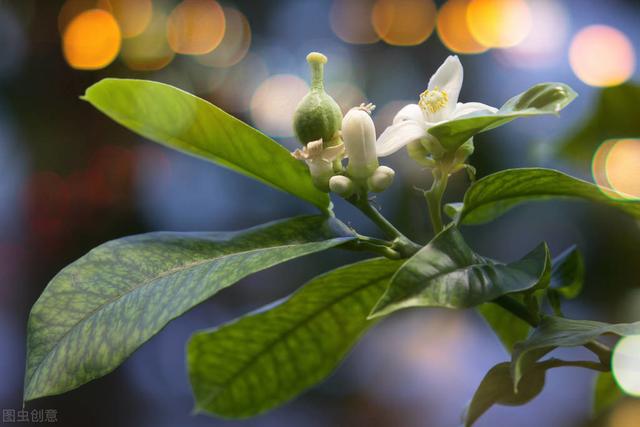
{"x": 359, "y": 136}
{"x": 381, "y": 179}
{"x": 341, "y": 185}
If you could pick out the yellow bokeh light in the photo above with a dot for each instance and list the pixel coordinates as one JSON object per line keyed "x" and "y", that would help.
{"x": 499, "y": 23}
{"x": 235, "y": 43}
{"x": 453, "y": 28}
{"x": 625, "y": 363}
{"x": 602, "y": 56}
{"x": 91, "y": 40}
{"x": 616, "y": 168}
{"x": 149, "y": 51}
{"x": 622, "y": 167}
{"x": 404, "y": 22}
{"x": 196, "y": 27}
{"x": 275, "y": 101}
{"x": 351, "y": 21}
{"x": 625, "y": 414}
{"x": 132, "y": 16}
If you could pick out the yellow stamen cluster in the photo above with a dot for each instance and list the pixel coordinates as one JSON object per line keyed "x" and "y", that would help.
{"x": 433, "y": 100}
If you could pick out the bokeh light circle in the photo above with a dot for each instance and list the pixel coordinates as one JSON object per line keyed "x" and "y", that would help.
{"x": 625, "y": 364}
{"x": 351, "y": 21}
{"x": 453, "y": 28}
{"x": 196, "y": 27}
{"x": 275, "y": 101}
{"x": 602, "y": 56}
{"x": 404, "y": 22}
{"x": 499, "y": 23}
{"x": 235, "y": 43}
{"x": 150, "y": 50}
{"x": 92, "y": 40}
{"x": 133, "y": 16}
{"x": 616, "y": 168}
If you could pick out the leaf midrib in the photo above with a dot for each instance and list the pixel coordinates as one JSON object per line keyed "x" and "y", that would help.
{"x": 246, "y": 366}
{"x": 147, "y": 282}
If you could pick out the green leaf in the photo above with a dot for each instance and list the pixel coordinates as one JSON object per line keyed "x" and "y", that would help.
{"x": 497, "y": 388}
{"x": 447, "y": 273}
{"x": 495, "y": 194}
{"x": 509, "y": 328}
{"x": 543, "y": 98}
{"x": 567, "y": 273}
{"x": 560, "y": 332}
{"x": 100, "y": 309}
{"x": 615, "y": 115}
{"x": 182, "y": 121}
{"x": 262, "y": 360}
{"x": 605, "y": 393}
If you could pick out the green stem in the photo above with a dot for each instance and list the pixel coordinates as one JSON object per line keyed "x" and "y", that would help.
{"x": 558, "y": 363}
{"x": 519, "y": 310}
{"x": 401, "y": 243}
{"x": 434, "y": 198}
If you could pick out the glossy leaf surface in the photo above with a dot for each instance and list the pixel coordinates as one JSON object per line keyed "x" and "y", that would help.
{"x": 100, "y": 309}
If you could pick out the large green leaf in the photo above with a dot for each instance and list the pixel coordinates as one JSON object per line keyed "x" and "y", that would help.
{"x": 605, "y": 393}
{"x": 509, "y": 328}
{"x": 447, "y": 273}
{"x": 560, "y": 332}
{"x": 495, "y": 194}
{"x": 543, "y": 98}
{"x": 192, "y": 125}
{"x": 264, "y": 359}
{"x": 100, "y": 309}
{"x": 497, "y": 388}
{"x": 615, "y": 115}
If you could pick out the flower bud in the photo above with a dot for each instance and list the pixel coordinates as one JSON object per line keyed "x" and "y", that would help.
{"x": 464, "y": 151}
{"x": 317, "y": 116}
{"x": 381, "y": 179}
{"x": 342, "y": 186}
{"x": 359, "y": 135}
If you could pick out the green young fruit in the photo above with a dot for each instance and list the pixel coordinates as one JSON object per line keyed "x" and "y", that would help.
{"x": 317, "y": 116}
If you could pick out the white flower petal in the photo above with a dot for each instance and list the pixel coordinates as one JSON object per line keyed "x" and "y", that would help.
{"x": 398, "y": 135}
{"x": 448, "y": 78}
{"x": 409, "y": 112}
{"x": 462, "y": 109}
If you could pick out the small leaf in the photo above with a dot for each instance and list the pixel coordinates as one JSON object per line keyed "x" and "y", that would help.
{"x": 543, "y": 98}
{"x": 182, "y": 121}
{"x": 447, "y": 273}
{"x": 100, "y": 309}
{"x": 605, "y": 393}
{"x": 497, "y": 388}
{"x": 509, "y": 328}
{"x": 560, "y": 332}
{"x": 495, "y": 194}
{"x": 262, "y": 360}
{"x": 567, "y": 273}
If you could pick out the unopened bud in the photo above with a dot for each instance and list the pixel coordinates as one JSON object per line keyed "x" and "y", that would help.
{"x": 317, "y": 116}
{"x": 359, "y": 135}
{"x": 381, "y": 179}
{"x": 342, "y": 186}
{"x": 464, "y": 151}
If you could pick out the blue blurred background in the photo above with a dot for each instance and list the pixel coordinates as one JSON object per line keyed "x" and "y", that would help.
{"x": 71, "y": 179}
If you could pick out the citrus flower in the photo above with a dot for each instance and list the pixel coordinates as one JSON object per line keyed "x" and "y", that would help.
{"x": 438, "y": 104}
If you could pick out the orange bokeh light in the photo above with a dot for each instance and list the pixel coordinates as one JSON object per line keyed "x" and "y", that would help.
{"x": 235, "y": 43}
{"x": 196, "y": 27}
{"x": 132, "y": 16}
{"x": 499, "y": 23}
{"x": 91, "y": 40}
{"x": 351, "y": 21}
{"x": 453, "y": 28}
{"x": 616, "y": 168}
{"x": 72, "y": 8}
{"x": 602, "y": 56}
{"x": 404, "y": 22}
